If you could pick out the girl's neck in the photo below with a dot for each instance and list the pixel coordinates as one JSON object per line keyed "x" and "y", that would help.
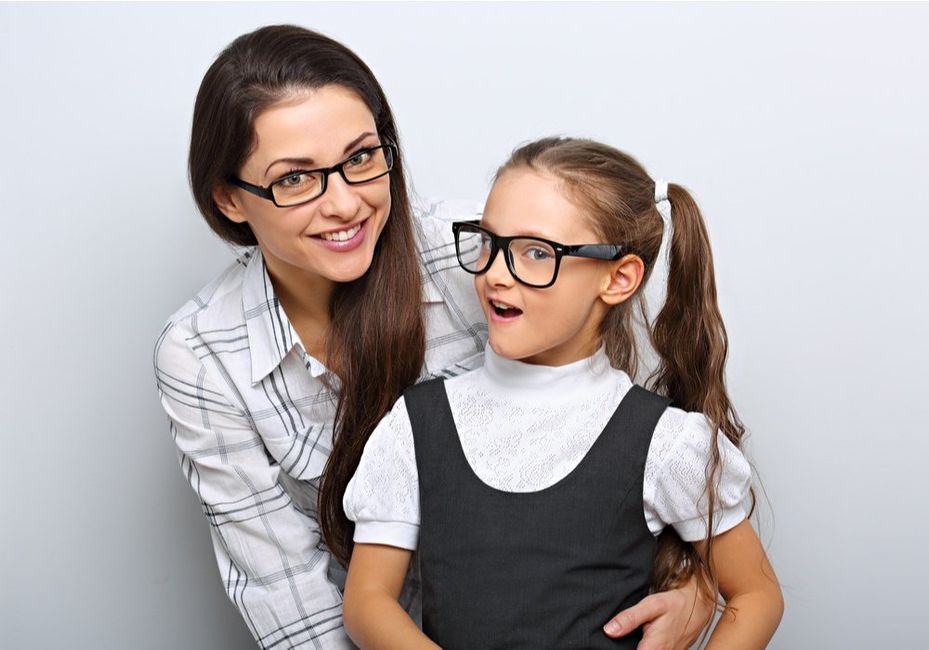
{"x": 565, "y": 382}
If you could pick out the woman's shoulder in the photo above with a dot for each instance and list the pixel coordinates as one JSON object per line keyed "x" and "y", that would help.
{"x": 218, "y": 306}
{"x": 456, "y": 328}
{"x": 432, "y": 220}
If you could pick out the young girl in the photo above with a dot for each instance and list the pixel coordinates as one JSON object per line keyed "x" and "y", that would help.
{"x": 534, "y": 488}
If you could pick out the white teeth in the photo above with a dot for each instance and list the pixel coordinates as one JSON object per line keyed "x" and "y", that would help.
{"x": 500, "y": 305}
{"x": 341, "y": 235}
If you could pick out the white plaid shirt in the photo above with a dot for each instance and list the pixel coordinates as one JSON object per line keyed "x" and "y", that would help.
{"x": 252, "y": 420}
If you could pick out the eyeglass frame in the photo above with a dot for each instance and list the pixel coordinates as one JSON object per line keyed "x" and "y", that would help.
{"x": 608, "y": 252}
{"x": 268, "y": 192}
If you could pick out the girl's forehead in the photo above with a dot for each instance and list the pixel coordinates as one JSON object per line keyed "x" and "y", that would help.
{"x": 529, "y": 202}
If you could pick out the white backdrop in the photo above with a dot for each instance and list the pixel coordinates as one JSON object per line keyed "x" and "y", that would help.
{"x": 800, "y": 128}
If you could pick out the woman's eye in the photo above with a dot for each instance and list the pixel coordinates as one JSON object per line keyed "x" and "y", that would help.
{"x": 358, "y": 159}
{"x": 294, "y": 180}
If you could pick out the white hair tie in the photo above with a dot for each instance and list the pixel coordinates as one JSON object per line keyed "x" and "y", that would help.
{"x": 662, "y": 202}
{"x": 664, "y": 209}
{"x": 656, "y": 289}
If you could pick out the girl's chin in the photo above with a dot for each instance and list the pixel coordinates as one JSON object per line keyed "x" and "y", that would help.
{"x": 504, "y": 347}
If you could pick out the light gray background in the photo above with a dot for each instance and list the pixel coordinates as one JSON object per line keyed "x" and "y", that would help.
{"x": 801, "y": 129}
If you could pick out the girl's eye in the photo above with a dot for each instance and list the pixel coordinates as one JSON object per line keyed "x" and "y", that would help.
{"x": 538, "y": 254}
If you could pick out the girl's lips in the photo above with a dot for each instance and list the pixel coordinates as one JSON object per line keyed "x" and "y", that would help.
{"x": 348, "y": 244}
{"x": 497, "y": 318}
{"x": 501, "y": 312}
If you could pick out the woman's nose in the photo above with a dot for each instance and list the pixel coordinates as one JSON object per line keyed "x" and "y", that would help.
{"x": 340, "y": 199}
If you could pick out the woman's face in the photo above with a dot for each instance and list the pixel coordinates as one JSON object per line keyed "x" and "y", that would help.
{"x": 558, "y": 324}
{"x": 330, "y": 239}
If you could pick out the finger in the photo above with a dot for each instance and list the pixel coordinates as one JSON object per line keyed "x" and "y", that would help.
{"x": 647, "y": 609}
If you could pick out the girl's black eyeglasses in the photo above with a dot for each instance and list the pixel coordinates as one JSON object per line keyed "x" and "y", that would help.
{"x": 531, "y": 260}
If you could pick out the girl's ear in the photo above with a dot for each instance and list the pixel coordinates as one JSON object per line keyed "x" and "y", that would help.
{"x": 228, "y": 204}
{"x": 625, "y": 277}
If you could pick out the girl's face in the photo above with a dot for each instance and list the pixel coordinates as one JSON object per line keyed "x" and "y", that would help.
{"x": 558, "y": 324}
{"x": 331, "y": 239}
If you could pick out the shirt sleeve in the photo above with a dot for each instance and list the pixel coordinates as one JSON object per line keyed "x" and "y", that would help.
{"x": 382, "y": 497}
{"x": 675, "y": 478}
{"x": 271, "y": 559}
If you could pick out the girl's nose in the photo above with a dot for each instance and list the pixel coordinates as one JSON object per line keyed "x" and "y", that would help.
{"x": 341, "y": 200}
{"x": 499, "y": 274}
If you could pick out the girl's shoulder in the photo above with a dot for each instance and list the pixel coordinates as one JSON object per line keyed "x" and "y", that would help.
{"x": 690, "y": 433}
{"x": 683, "y": 446}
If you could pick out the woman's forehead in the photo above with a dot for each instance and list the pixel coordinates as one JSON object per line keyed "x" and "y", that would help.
{"x": 315, "y": 125}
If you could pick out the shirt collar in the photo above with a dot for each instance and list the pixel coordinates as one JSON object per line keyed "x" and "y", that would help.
{"x": 577, "y": 380}
{"x": 271, "y": 336}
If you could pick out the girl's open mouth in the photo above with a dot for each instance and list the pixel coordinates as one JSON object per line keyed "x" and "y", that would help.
{"x": 503, "y": 311}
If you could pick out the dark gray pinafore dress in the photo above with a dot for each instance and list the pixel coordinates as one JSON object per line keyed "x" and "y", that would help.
{"x": 543, "y": 569}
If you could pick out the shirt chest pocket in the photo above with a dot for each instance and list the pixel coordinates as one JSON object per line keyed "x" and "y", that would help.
{"x": 303, "y": 454}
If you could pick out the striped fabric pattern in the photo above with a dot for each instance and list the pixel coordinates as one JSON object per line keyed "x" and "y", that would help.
{"x": 251, "y": 415}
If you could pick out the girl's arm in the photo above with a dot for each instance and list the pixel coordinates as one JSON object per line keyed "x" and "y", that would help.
{"x": 754, "y": 603}
{"x": 373, "y": 618}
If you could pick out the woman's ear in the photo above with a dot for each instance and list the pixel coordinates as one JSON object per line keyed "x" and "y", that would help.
{"x": 625, "y": 277}
{"x": 227, "y": 203}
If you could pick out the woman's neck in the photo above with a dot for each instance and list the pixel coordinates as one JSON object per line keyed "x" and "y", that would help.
{"x": 305, "y": 299}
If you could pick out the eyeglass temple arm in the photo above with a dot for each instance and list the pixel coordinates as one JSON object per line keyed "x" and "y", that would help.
{"x": 257, "y": 190}
{"x": 598, "y": 251}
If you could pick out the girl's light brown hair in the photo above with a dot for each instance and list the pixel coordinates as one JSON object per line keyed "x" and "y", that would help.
{"x": 688, "y": 335}
{"x": 376, "y": 340}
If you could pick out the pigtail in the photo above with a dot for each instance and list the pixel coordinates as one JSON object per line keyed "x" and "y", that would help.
{"x": 690, "y": 339}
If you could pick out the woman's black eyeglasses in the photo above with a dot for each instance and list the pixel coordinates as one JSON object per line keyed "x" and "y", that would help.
{"x": 531, "y": 260}
{"x": 304, "y": 185}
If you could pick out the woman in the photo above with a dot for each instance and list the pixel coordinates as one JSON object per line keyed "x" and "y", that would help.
{"x": 276, "y": 373}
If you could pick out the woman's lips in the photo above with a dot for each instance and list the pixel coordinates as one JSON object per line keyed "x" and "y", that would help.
{"x": 353, "y": 240}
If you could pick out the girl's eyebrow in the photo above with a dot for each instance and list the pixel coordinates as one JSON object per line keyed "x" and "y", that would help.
{"x": 309, "y": 162}
{"x": 521, "y": 233}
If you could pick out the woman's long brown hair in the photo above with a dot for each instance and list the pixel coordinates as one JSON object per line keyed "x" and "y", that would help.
{"x": 618, "y": 196}
{"x": 376, "y": 339}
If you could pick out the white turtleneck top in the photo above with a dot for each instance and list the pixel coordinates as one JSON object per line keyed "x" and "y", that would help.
{"x": 523, "y": 428}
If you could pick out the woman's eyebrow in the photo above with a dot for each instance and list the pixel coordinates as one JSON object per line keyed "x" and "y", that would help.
{"x": 351, "y": 145}
{"x": 309, "y": 162}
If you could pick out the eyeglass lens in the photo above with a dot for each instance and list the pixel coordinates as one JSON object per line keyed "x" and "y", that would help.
{"x": 533, "y": 260}
{"x": 304, "y": 186}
